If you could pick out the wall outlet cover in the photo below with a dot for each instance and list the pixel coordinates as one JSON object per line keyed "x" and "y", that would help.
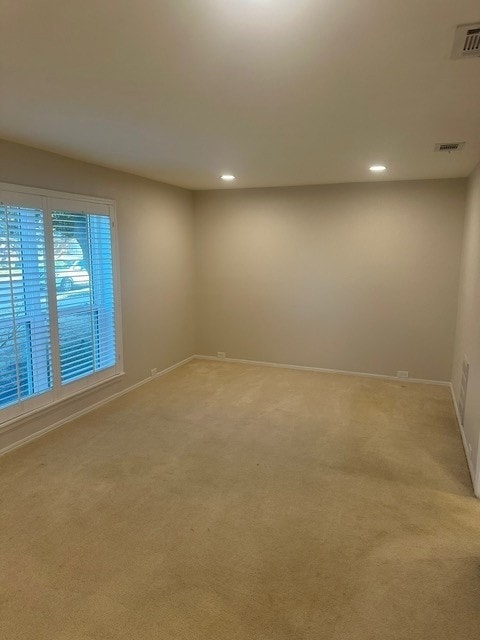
{"x": 154, "y": 372}
{"x": 220, "y": 354}
{"x": 402, "y": 374}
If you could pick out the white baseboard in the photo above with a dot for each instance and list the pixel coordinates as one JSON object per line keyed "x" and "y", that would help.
{"x": 320, "y": 370}
{"x": 92, "y": 407}
{"x": 464, "y": 441}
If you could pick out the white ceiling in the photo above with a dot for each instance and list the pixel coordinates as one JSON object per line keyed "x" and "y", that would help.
{"x": 278, "y": 92}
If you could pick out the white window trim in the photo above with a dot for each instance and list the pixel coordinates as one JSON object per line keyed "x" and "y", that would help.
{"x": 28, "y": 408}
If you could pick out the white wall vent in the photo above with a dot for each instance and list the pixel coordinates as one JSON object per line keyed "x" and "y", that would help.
{"x": 449, "y": 146}
{"x": 467, "y": 41}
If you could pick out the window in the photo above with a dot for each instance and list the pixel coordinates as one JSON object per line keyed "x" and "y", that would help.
{"x": 59, "y": 314}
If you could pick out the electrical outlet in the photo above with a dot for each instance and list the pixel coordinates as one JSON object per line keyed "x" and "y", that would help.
{"x": 402, "y": 374}
{"x": 154, "y": 371}
{"x": 220, "y": 354}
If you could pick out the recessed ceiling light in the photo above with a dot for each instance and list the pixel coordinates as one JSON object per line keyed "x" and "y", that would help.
{"x": 228, "y": 177}
{"x": 377, "y": 168}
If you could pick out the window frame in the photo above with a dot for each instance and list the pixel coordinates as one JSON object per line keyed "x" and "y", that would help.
{"x": 44, "y": 199}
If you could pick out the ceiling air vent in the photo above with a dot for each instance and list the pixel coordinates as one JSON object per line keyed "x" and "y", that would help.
{"x": 467, "y": 41}
{"x": 449, "y": 146}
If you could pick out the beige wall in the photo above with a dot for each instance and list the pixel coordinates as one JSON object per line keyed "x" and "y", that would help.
{"x": 468, "y": 324}
{"x": 359, "y": 277}
{"x": 155, "y": 228}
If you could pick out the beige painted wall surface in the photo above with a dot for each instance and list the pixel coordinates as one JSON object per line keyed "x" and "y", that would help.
{"x": 468, "y": 324}
{"x": 360, "y": 277}
{"x": 155, "y": 229}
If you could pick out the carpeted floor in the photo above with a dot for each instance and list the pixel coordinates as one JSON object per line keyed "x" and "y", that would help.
{"x": 235, "y": 502}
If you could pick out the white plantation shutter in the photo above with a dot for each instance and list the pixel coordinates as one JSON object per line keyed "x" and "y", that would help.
{"x": 25, "y": 358}
{"x": 86, "y": 320}
{"x": 59, "y": 320}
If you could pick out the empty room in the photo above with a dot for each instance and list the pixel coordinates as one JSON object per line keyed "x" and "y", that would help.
{"x": 240, "y": 320}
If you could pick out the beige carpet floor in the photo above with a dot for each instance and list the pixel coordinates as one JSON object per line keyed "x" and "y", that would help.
{"x": 234, "y": 502}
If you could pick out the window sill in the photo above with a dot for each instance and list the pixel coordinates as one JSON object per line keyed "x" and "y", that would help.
{"x": 17, "y": 421}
